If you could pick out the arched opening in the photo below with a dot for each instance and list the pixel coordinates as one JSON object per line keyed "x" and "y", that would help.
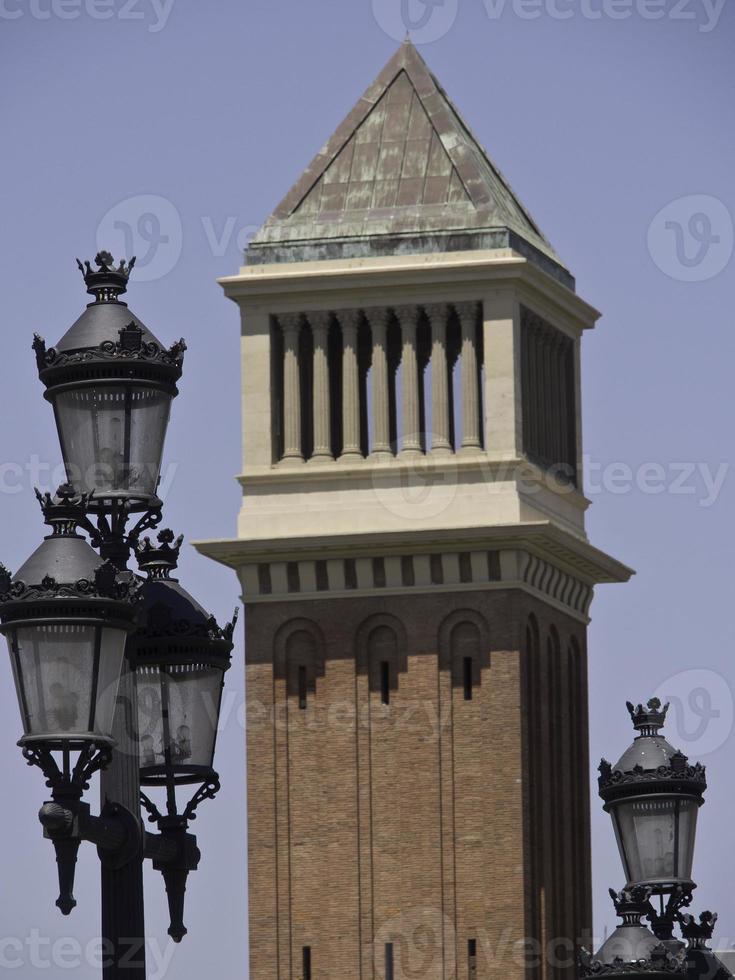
{"x": 465, "y": 644}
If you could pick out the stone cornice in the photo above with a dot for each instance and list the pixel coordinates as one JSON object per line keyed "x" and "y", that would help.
{"x": 416, "y": 573}
{"x": 555, "y": 551}
{"x": 294, "y": 285}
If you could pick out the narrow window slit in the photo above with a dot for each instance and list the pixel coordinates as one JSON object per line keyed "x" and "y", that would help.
{"x": 302, "y": 695}
{"x": 389, "y": 961}
{"x": 467, "y": 669}
{"x": 472, "y": 958}
{"x": 306, "y": 962}
{"x": 385, "y": 682}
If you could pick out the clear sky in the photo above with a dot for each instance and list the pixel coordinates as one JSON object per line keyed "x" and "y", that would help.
{"x": 177, "y": 126}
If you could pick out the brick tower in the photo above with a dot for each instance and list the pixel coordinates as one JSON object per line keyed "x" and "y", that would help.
{"x": 414, "y": 564}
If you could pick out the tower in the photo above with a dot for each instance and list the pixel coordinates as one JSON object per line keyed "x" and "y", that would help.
{"x": 414, "y": 563}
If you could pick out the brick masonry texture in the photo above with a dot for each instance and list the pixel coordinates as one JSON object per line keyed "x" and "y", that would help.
{"x": 429, "y": 821}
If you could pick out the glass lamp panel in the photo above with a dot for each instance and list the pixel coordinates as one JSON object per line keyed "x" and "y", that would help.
{"x": 648, "y": 838}
{"x": 112, "y": 437}
{"x": 194, "y": 701}
{"x": 178, "y": 710}
{"x": 149, "y": 417}
{"x": 688, "y": 812}
{"x": 150, "y": 716}
{"x": 18, "y": 679}
{"x": 615, "y": 813}
{"x": 55, "y": 664}
{"x": 112, "y": 653}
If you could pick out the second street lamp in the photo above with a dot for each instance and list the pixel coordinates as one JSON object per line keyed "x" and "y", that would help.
{"x": 66, "y": 615}
{"x": 66, "y": 618}
{"x": 179, "y": 654}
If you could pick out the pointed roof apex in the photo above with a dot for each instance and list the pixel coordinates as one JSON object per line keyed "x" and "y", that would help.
{"x": 402, "y": 173}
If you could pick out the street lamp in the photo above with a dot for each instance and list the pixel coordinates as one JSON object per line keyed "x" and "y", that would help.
{"x": 66, "y": 615}
{"x": 179, "y": 655}
{"x": 83, "y": 631}
{"x": 653, "y": 796}
{"x": 111, "y": 383}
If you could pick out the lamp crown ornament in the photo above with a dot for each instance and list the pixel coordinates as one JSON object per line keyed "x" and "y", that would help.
{"x": 649, "y": 719}
{"x": 159, "y": 562}
{"x": 106, "y": 282}
{"x": 632, "y": 903}
{"x": 698, "y": 933}
{"x": 65, "y": 510}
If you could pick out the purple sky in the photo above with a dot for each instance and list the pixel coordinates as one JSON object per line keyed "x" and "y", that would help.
{"x": 601, "y": 113}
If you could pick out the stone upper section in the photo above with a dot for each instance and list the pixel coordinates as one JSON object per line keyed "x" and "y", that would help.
{"x": 401, "y": 174}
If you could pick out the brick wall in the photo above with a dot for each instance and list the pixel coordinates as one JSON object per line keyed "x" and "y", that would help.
{"x": 427, "y": 821}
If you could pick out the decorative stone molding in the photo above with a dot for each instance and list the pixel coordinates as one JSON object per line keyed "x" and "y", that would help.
{"x": 544, "y": 577}
{"x": 391, "y": 574}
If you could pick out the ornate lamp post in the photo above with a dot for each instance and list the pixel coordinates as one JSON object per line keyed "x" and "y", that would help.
{"x": 653, "y": 795}
{"x": 92, "y": 644}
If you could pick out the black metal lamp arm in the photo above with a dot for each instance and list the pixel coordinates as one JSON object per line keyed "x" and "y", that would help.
{"x": 117, "y": 833}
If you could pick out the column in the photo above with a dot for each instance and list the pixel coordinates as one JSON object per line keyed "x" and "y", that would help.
{"x": 351, "y": 451}
{"x": 467, "y": 313}
{"x": 437, "y": 314}
{"x": 291, "y": 326}
{"x": 260, "y": 422}
{"x": 378, "y": 319}
{"x": 502, "y": 385}
{"x": 408, "y": 319}
{"x": 319, "y": 323}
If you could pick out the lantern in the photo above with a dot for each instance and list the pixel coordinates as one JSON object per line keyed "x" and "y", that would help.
{"x": 180, "y": 656}
{"x": 111, "y": 384}
{"x": 66, "y": 616}
{"x": 653, "y": 795}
